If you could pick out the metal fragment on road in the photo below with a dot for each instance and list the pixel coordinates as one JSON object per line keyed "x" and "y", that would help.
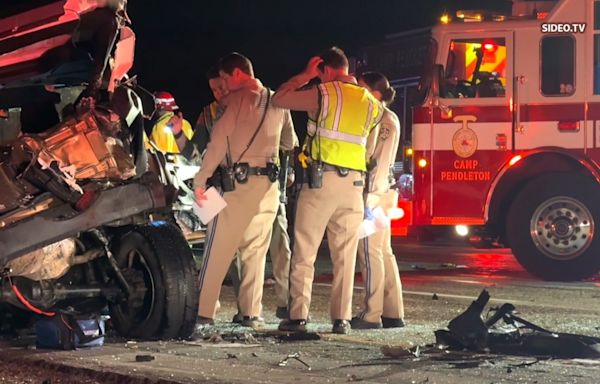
{"x": 295, "y": 356}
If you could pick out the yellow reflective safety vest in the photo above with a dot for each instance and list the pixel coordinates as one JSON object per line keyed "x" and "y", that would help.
{"x": 347, "y": 115}
{"x": 163, "y": 137}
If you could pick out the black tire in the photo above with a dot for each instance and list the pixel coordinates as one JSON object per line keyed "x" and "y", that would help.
{"x": 158, "y": 258}
{"x": 561, "y": 242}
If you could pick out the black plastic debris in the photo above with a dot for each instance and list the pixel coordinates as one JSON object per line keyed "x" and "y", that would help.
{"x": 297, "y": 336}
{"x": 515, "y": 336}
{"x": 144, "y": 358}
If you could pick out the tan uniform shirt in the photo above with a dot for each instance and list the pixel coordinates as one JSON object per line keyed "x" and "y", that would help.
{"x": 384, "y": 154}
{"x": 243, "y": 112}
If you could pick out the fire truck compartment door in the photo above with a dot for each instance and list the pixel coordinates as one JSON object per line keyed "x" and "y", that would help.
{"x": 551, "y": 92}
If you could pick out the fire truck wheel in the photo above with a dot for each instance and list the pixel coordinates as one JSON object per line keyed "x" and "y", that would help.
{"x": 157, "y": 263}
{"x": 551, "y": 227}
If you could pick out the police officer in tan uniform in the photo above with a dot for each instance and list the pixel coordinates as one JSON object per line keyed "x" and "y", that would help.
{"x": 383, "y": 304}
{"x": 208, "y": 116}
{"x": 244, "y": 146}
{"x": 279, "y": 249}
{"x": 341, "y": 117}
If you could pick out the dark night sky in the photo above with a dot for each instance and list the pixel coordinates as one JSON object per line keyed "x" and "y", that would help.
{"x": 178, "y": 40}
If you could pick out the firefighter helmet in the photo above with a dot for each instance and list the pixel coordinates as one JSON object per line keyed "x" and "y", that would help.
{"x": 165, "y": 101}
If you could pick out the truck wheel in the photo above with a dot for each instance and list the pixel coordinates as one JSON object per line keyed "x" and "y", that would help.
{"x": 551, "y": 227}
{"x": 158, "y": 264}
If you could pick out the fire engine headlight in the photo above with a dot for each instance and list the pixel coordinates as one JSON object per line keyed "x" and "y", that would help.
{"x": 395, "y": 213}
{"x": 422, "y": 163}
{"x": 461, "y": 230}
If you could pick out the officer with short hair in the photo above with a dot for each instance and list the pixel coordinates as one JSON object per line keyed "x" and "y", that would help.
{"x": 244, "y": 147}
{"x": 342, "y": 115}
{"x": 383, "y": 304}
{"x": 208, "y": 116}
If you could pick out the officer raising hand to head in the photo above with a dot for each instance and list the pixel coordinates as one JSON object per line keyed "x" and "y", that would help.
{"x": 342, "y": 115}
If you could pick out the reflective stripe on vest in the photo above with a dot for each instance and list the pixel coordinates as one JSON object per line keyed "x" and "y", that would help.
{"x": 348, "y": 114}
{"x": 337, "y": 135}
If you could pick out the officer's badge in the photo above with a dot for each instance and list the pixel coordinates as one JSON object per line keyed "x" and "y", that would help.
{"x": 384, "y": 133}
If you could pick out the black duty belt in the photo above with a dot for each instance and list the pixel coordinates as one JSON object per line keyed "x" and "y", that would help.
{"x": 342, "y": 171}
{"x": 258, "y": 171}
{"x": 243, "y": 170}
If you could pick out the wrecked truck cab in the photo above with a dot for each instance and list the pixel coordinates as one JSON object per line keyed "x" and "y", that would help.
{"x": 84, "y": 225}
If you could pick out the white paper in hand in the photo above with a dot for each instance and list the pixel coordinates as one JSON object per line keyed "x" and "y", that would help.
{"x": 381, "y": 219}
{"x": 211, "y": 207}
{"x": 366, "y": 228}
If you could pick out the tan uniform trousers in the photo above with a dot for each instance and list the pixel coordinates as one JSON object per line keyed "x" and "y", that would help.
{"x": 280, "y": 253}
{"x": 383, "y": 289}
{"x": 338, "y": 208}
{"x": 245, "y": 225}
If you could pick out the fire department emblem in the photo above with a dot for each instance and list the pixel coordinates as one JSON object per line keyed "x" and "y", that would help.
{"x": 464, "y": 141}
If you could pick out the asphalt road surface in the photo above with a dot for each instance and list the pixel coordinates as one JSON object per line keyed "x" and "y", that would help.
{"x": 440, "y": 281}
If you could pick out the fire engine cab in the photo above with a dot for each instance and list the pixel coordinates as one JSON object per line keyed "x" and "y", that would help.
{"x": 507, "y": 137}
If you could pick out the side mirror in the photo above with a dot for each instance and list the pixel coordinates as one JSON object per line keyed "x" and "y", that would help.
{"x": 436, "y": 80}
{"x": 437, "y": 84}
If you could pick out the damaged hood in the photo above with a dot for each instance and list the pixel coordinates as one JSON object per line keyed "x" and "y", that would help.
{"x": 64, "y": 42}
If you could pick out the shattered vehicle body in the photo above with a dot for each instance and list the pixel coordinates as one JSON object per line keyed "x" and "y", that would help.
{"x": 83, "y": 224}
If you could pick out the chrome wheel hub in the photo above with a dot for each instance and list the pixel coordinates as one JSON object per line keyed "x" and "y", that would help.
{"x": 562, "y": 228}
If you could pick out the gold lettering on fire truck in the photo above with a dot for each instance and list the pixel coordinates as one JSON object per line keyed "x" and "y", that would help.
{"x": 464, "y": 141}
{"x": 465, "y": 170}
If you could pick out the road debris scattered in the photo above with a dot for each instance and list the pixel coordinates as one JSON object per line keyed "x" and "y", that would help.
{"x": 516, "y": 336}
{"x": 144, "y": 358}
{"x": 295, "y": 356}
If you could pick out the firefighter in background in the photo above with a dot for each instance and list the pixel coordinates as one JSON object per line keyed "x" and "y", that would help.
{"x": 208, "y": 117}
{"x": 244, "y": 146}
{"x": 383, "y": 290}
{"x": 170, "y": 131}
{"x": 341, "y": 117}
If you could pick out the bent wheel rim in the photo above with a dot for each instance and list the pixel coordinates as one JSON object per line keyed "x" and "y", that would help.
{"x": 562, "y": 228}
{"x": 139, "y": 308}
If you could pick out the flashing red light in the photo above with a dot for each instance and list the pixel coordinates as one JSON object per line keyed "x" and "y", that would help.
{"x": 515, "y": 160}
{"x": 568, "y": 126}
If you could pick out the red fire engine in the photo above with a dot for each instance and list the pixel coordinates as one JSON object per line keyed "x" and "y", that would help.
{"x": 507, "y": 137}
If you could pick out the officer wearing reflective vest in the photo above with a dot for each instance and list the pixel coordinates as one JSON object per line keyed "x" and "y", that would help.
{"x": 208, "y": 116}
{"x": 342, "y": 117}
